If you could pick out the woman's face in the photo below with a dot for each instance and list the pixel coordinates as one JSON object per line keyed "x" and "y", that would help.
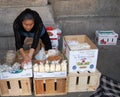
{"x": 28, "y": 24}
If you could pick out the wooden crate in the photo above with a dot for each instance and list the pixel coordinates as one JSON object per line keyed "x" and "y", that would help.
{"x": 50, "y": 87}
{"x": 85, "y": 81}
{"x": 15, "y": 87}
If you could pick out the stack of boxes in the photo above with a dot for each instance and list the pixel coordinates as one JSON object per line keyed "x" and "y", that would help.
{"x": 82, "y": 55}
{"x": 54, "y": 75}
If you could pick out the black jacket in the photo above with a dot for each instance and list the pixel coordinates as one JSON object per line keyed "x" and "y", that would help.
{"x": 36, "y": 30}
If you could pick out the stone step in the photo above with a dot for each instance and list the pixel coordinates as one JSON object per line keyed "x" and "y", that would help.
{"x": 64, "y": 8}
{"x": 7, "y": 43}
{"x": 8, "y": 15}
{"x": 6, "y": 29}
{"x": 27, "y": 3}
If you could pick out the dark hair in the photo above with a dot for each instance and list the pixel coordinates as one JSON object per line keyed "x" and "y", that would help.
{"x": 27, "y": 14}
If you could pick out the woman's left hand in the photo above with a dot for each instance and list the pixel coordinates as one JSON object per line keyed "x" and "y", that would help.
{"x": 27, "y": 57}
{"x": 26, "y": 60}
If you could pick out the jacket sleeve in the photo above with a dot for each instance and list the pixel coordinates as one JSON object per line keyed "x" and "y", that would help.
{"x": 18, "y": 41}
{"x": 46, "y": 41}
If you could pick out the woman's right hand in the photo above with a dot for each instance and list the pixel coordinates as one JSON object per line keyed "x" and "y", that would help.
{"x": 26, "y": 57}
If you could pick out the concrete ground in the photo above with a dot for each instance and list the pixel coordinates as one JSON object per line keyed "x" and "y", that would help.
{"x": 108, "y": 64}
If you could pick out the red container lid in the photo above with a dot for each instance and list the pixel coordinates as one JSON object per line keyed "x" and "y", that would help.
{"x": 49, "y": 28}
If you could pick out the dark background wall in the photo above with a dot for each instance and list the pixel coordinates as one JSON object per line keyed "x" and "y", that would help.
{"x": 86, "y": 16}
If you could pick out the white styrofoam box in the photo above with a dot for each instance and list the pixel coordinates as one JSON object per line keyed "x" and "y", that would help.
{"x": 50, "y": 74}
{"x": 83, "y": 59}
{"x": 106, "y": 37}
{"x": 25, "y": 73}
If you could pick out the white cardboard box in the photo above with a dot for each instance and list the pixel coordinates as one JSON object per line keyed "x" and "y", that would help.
{"x": 49, "y": 74}
{"x": 76, "y": 57}
{"x": 24, "y": 74}
{"x": 106, "y": 37}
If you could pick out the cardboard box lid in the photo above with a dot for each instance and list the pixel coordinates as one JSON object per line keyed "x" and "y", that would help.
{"x": 106, "y": 33}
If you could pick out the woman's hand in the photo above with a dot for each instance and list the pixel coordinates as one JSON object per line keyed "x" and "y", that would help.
{"x": 26, "y": 60}
{"x": 26, "y": 57}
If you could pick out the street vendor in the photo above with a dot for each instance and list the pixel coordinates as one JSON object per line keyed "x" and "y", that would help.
{"x": 29, "y": 24}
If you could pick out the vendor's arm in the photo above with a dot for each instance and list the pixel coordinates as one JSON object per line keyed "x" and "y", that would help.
{"x": 19, "y": 41}
{"x": 35, "y": 41}
{"x": 39, "y": 27}
{"x": 26, "y": 57}
{"x": 46, "y": 41}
